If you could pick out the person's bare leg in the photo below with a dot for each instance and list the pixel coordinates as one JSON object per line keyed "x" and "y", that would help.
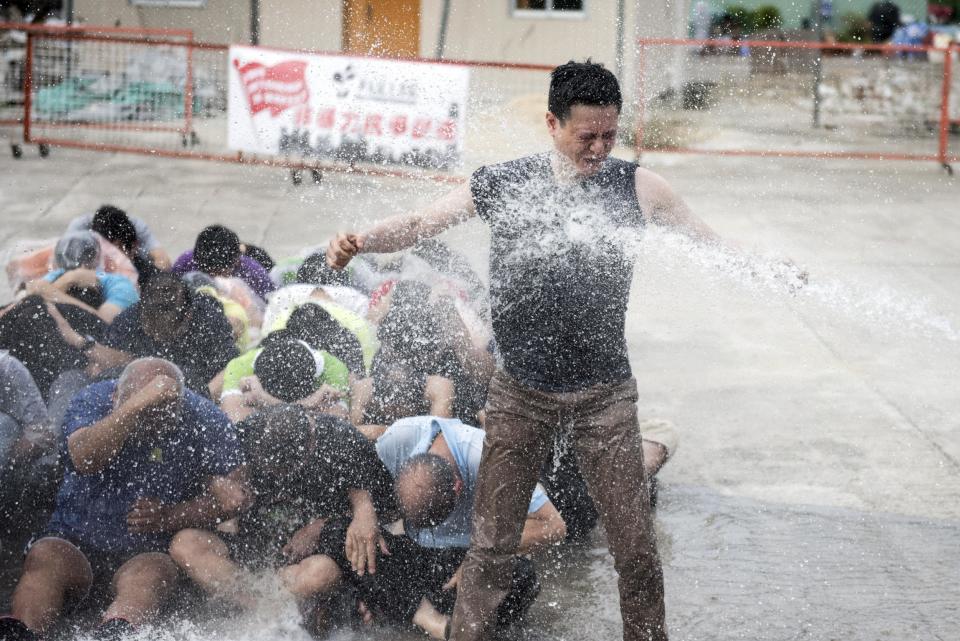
{"x": 654, "y": 456}
{"x": 311, "y": 581}
{"x": 53, "y": 569}
{"x": 141, "y": 586}
{"x": 204, "y": 557}
{"x": 430, "y": 620}
{"x": 316, "y": 575}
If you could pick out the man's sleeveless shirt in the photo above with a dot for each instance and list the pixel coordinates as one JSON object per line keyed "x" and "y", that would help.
{"x": 560, "y": 270}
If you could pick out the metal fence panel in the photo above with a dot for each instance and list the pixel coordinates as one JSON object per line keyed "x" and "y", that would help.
{"x": 794, "y": 99}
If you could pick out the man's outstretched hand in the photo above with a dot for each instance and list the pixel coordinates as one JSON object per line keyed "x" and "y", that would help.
{"x": 342, "y": 248}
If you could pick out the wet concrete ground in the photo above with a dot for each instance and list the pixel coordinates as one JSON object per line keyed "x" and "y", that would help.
{"x": 815, "y": 491}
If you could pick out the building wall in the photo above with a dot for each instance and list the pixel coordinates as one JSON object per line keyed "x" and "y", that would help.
{"x": 220, "y": 21}
{"x": 302, "y": 24}
{"x": 488, "y": 31}
{"x": 476, "y": 31}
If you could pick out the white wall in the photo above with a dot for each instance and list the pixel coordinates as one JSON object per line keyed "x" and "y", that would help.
{"x": 487, "y": 31}
{"x": 302, "y": 24}
{"x": 221, "y": 21}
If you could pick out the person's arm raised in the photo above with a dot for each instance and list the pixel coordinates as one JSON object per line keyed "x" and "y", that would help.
{"x": 400, "y": 232}
{"x": 92, "y": 448}
{"x": 664, "y": 207}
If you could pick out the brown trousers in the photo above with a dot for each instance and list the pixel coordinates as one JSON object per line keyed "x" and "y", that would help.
{"x": 520, "y": 428}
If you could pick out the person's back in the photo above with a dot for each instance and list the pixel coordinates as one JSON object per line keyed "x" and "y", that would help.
{"x": 217, "y": 252}
{"x": 413, "y": 436}
{"x": 173, "y": 323}
{"x": 27, "y": 440}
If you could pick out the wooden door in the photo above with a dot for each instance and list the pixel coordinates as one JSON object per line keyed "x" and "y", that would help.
{"x": 382, "y": 27}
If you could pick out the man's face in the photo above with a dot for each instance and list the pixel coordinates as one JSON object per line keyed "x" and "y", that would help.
{"x": 162, "y": 418}
{"x": 586, "y": 137}
{"x": 165, "y": 324}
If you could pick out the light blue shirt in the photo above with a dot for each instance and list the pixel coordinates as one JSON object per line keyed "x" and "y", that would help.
{"x": 411, "y": 436}
{"x": 117, "y": 289}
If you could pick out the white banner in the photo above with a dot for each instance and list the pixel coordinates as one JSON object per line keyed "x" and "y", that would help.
{"x": 345, "y": 108}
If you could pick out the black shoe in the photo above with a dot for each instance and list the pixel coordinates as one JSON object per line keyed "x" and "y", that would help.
{"x": 113, "y": 630}
{"x": 14, "y": 630}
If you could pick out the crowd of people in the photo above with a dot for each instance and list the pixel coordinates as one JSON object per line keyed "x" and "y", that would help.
{"x": 193, "y": 421}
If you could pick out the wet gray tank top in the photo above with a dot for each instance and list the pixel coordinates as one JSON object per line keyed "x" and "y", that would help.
{"x": 560, "y": 270}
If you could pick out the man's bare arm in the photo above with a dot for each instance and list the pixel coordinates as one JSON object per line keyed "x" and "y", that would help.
{"x": 542, "y": 528}
{"x": 99, "y": 357}
{"x": 400, "y": 232}
{"x": 91, "y": 448}
{"x": 664, "y": 206}
{"x": 225, "y": 497}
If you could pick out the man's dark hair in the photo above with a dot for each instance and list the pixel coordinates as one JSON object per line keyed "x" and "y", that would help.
{"x": 398, "y": 390}
{"x": 115, "y": 226}
{"x": 409, "y": 330}
{"x": 91, "y": 296}
{"x": 260, "y": 255}
{"x": 163, "y": 294}
{"x": 279, "y": 431}
{"x": 286, "y": 370}
{"x": 315, "y": 271}
{"x": 315, "y": 326}
{"x": 582, "y": 83}
{"x": 217, "y": 250}
{"x": 438, "y": 498}
{"x": 275, "y": 441}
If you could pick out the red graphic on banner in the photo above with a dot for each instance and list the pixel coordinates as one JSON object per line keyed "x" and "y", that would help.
{"x": 276, "y": 88}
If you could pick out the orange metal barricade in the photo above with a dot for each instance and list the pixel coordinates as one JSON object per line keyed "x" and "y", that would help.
{"x": 796, "y": 99}
{"x": 48, "y": 62}
{"x": 166, "y": 97}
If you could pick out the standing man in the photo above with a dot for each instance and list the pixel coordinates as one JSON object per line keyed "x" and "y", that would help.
{"x": 560, "y": 275}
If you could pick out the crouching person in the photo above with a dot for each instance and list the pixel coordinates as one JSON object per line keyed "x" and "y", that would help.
{"x": 144, "y": 458}
{"x": 434, "y": 462}
{"x": 304, "y": 468}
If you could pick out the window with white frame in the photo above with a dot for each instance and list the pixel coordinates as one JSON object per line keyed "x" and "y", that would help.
{"x": 190, "y": 4}
{"x": 548, "y": 8}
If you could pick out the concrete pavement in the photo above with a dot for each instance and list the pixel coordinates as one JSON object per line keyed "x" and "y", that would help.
{"x": 815, "y": 491}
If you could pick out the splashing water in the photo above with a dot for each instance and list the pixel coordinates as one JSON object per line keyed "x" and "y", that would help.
{"x": 877, "y": 306}
{"x": 275, "y": 617}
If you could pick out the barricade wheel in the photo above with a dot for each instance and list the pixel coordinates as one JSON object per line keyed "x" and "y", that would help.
{"x": 44, "y": 150}
{"x": 16, "y": 150}
{"x": 296, "y": 176}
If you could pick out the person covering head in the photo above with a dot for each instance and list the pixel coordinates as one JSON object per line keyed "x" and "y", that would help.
{"x": 427, "y": 489}
{"x": 582, "y": 83}
{"x": 116, "y": 227}
{"x": 274, "y": 440}
{"x": 77, "y": 250}
{"x": 287, "y": 368}
{"x": 315, "y": 326}
{"x": 314, "y": 270}
{"x": 217, "y": 250}
{"x": 164, "y": 305}
{"x": 138, "y": 374}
